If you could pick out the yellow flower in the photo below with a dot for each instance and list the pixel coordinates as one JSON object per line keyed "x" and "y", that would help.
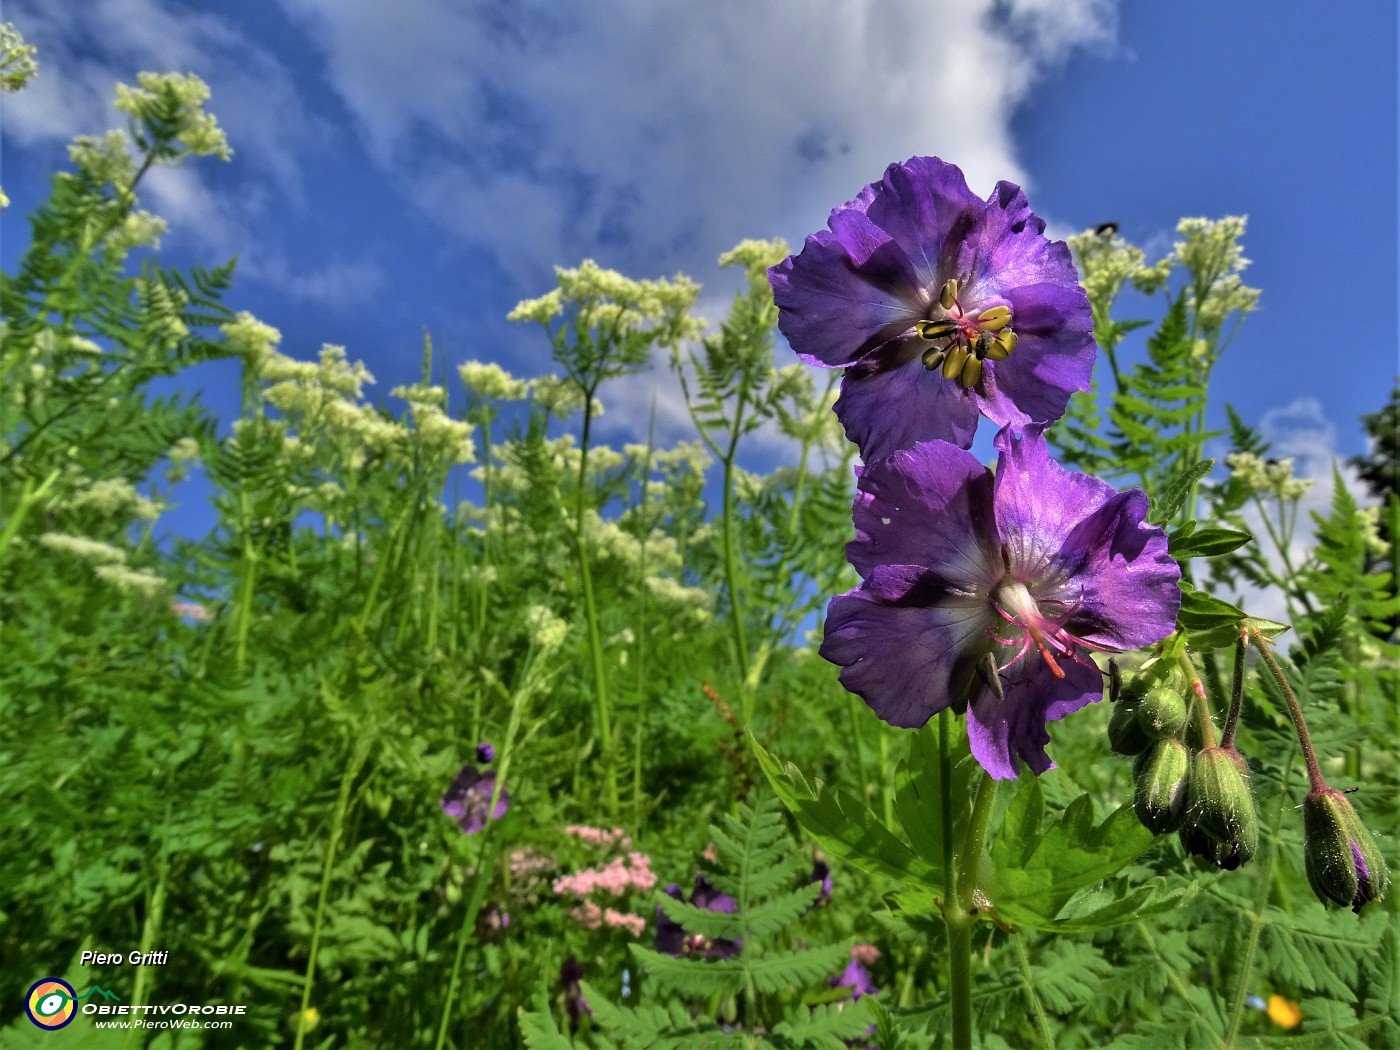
{"x": 1284, "y": 1012}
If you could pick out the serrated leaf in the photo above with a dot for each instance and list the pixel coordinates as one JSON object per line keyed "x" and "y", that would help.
{"x": 1031, "y": 887}
{"x": 843, "y": 825}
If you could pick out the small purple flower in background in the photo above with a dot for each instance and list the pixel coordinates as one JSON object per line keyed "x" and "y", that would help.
{"x": 940, "y": 306}
{"x": 821, "y": 873}
{"x": 855, "y": 976}
{"x": 987, "y": 594}
{"x": 469, "y": 797}
{"x": 575, "y": 1005}
{"x": 485, "y": 753}
{"x": 672, "y": 937}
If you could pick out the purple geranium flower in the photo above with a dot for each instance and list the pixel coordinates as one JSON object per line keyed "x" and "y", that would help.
{"x": 469, "y": 798}
{"x": 940, "y": 307}
{"x": 673, "y": 939}
{"x": 857, "y": 978}
{"x": 986, "y": 593}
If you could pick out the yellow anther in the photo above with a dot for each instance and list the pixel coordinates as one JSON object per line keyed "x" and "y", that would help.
{"x": 949, "y": 295}
{"x": 971, "y": 371}
{"x": 1002, "y": 346}
{"x": 932, "y": 358}
{"x": 936, "y": 329}
{"x": 995, "y": 319}
{"x": 953, "y": 363}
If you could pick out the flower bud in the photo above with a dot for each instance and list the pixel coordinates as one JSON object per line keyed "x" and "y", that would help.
{"x": 1161, "y": 773}
{"x": 1222, "y": 805}
{"x": 1342, "y": 862}
{"x": 1125, "y": 732}
{"x": 1162, "y": 713}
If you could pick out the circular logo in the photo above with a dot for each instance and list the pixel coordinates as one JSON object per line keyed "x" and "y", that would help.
{"x": 51, "y": 1003}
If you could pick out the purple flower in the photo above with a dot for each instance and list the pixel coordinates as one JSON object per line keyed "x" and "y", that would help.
{"x": 987, "y": 593}
{"x": 485, "y": 753}
{"x": 672, "y": 938}
{"x": 575, "y": 1004}
{"x": 940, "y": 307}
{"x": 821, "y": 873}
{"x": 857, "y": 978}
{"x": 469, "y": 798}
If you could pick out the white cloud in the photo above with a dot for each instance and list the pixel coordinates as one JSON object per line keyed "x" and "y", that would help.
{"x": 657, "y": 134}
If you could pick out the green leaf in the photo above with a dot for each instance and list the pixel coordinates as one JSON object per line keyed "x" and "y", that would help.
{"x": 1205, "y": 541}
{"x": 1209, "y": 622}
{"x": 1038, "y": 874}
{"x": 843, "y": 825}
{"x": 1169, "y": 503}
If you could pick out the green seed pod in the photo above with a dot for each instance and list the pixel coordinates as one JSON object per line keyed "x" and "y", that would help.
{"x": 1160, "y": 792}
{"x": 1222, "y": 804}
{"x": 1341, "y": 859}
{"x": 1125, "y": 735}
{"x": 1162, "y": 713}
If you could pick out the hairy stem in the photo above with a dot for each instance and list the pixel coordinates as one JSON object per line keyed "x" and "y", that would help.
{"x": 1294, "y": 710}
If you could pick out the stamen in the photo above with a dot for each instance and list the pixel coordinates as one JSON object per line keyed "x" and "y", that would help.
{"x": 1055, "y": 668}
{"x": 949, "y": 295}
{"x": 953, "y": 363}
{"x": 994, "y": 319}
{"x": 971, "y": 372}
{"x": 933, "y": 358}
{"x": 940, "y": 329}
{"x": 991, "y": 674}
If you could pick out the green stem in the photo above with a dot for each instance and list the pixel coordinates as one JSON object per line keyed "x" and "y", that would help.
{"x": 731, "y": 570}
{"x": 1198, "y": 699}
{"x": 342, "y": 804}
{"x": 155, "y": 911}
{"x": 1042, "y": 1024}
{"x": 1227, "y": 738}
{"x": 960, "y": 977}
{"x": 590, "y": 609}
{"x": 246, "y": 587}
{"x": 1295, "y": 712}
{"x": 1257, "y": 921}
{"x": 29, "y": 497}
{"x": 465, "y": 934}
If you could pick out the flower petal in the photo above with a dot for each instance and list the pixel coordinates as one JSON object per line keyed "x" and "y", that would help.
{"x": 907, "y": 662}
{"x": 1039, "y": 502}
{"x": 886, "y": 406}
{"x": 929, "y": 506}
{"x": 1129, "y": 586}
{"x": 926, "y": 208}
{"x": 845, "y": 295}
{"x": 1008, "y": 730}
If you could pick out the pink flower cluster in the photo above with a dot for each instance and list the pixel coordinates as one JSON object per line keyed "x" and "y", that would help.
{"x": 598, "y": 836}
{"x": 616, "y": 877}
{"x": 590, "y": 917}
{"x": 191, "y": 610}
{"x": 865, "y": 954}
{"x": 527, "y": 863}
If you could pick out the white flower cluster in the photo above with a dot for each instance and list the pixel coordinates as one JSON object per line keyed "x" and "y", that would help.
{"x": 90, "y": 550}
{"x": 157, "y": 94}
{"x": 136, "y": 581}
{"x": 114, "y": 497}
{"x": 547, "y": 631}
{"x": 1274, "y": 477}
{"x": 1106, "y": 263}
{"x": 492, "y": 382}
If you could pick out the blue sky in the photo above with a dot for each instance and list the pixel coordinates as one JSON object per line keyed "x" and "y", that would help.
{"x": 428, "y": 167}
